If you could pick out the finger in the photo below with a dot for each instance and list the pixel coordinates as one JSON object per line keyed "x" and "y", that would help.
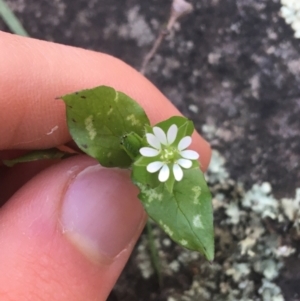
{"x": 67, "y": 234}
{"x": 13, "y": 178}
{"x": 34, "y": 72}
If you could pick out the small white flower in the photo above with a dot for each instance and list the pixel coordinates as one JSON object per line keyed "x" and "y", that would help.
{"x": 167, "y": 154}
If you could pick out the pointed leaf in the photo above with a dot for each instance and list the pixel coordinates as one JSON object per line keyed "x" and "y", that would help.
{"x": 185, "y": 214}
{"x": 98, "y": 119}
{"x": 46, "y": 154}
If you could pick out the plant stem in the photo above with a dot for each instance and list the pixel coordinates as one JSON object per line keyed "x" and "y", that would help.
{"x": 179, "y": 8}
{"x": 154, "y": 253}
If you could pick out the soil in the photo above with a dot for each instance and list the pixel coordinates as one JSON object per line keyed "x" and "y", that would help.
{"x": 233, "y": 65}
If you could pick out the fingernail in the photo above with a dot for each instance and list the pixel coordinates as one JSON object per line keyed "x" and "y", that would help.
{"x": 101, "y": 214}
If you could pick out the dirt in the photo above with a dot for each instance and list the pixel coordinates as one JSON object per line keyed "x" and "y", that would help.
{"x": 233, "y": 65}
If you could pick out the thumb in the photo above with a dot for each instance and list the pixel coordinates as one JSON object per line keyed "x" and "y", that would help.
{"x": 67, "y": 234}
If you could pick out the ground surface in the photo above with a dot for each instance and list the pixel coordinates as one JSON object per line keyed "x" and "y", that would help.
{"x": 233, "y": 67}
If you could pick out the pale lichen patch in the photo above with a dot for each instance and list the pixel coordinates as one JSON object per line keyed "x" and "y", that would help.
{"x": 116, "y": 97}
{"x": 110, "y": 111}
{"x": 167, "y": 229}
{"x": 183, "y": 242}
{"x": 197, "y": 193}
{"x": 144, "y": 261}
{"x": 90, "y": 127}
{"x": 197, "y": 221}
{"x": 150, "y": 193}
{"x": 133, "y": 120}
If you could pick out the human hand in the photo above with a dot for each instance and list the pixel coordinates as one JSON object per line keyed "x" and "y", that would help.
{"x": 70, "y": 227}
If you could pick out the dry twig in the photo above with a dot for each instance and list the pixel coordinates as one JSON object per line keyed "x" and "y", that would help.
{"x": 179, "y": 8}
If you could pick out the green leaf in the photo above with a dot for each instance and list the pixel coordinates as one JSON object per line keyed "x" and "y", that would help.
{"x": 186, "y": 214}
{"x": 132, "y": 143}
{"x": 183, "y": 209}
{"x": 47, "y": 154}
{"x": 98, "y": 119}
{"x": 185, "y": 126}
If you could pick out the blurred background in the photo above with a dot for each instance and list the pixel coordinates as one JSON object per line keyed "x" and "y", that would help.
{"x": 233, "y": 67}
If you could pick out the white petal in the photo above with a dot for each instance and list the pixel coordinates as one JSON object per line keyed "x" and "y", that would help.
{"x": 149, "y": 152}
{"x": 177, "y": 171}
{"x": 160, "y": 135}
{"x": 153, "y": 141}
{"x": 164, "y": 173}
{"x": 185, "y": 163}
{"x": 189, "y": 154}
{"x": 154, "y": 166}
{"x": 172, "y": 133}
{"x": 184, "y": 143}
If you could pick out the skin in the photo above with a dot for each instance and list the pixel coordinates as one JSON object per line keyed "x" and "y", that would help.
{"x": 38, "y": 260}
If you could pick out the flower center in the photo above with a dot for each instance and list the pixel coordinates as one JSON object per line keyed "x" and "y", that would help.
{"x": 168, "y": 154}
